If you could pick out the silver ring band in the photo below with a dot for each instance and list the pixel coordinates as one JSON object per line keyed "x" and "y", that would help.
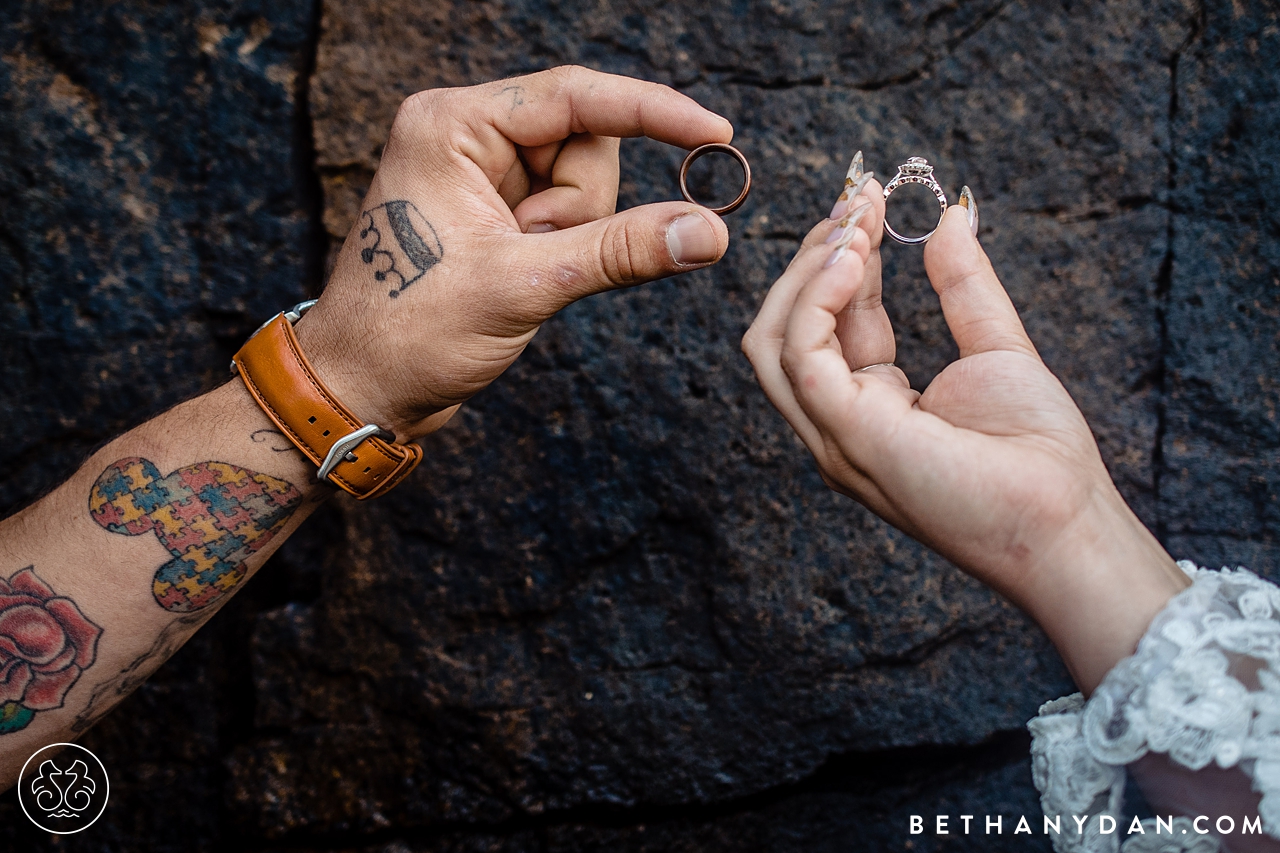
{"x": 915, "y": 171}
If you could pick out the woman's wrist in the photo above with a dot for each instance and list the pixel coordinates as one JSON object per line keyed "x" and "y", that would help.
{"x": 1097, "y": 589}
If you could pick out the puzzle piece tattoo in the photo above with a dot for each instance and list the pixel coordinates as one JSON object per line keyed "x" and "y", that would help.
{"x": 400, "y": 244}
{"x": 211, "y": 517}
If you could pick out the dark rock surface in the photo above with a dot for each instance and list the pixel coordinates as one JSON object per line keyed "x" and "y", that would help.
{"x": 156, "y": 200}
{"x": 616, "y": 608}
{"x": 1221, "y": 448}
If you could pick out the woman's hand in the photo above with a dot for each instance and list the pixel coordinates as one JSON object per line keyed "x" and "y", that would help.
{"x": 492, "y": 209}
{"x": 993, "y": 466}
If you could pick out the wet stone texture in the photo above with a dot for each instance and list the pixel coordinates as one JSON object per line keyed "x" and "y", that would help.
{"x": 616, "y": 608}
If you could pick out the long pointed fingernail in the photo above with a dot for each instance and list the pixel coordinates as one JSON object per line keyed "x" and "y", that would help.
{"x": 850, "y": 193}
{"x": 849, "y": 226}
{"x": 844, "y": 231}
{"x": 851, "y": 177}
{"x": 970, "y": 209}
{"x": 834, "y": 258}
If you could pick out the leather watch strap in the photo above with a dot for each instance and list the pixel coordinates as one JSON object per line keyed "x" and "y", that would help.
{"x": 287, "y": 388}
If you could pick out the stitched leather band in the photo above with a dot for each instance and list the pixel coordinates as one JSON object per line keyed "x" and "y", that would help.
{"x": 287, "y": 388}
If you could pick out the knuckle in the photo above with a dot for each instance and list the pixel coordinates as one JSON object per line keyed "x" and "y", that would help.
{"x": 570, "y": 72}
{"x": 792, "y": 361}
{"x": 967, "y": 275}
{"x": 415, "y": 114}
{"x": 561, "y": 76}
{"x": 749, "y": 345}
{"x": 868, "y": 301}
{"x": 621, "y": 255}
{"x": 416, "y": 107}
{"x": 569, "y": 81}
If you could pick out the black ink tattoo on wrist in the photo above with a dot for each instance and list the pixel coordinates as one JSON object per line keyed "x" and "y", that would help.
{"x": 258, "y": 436}
{"x": 46, "y": 643}
{"x": 211, "y": 516}
{"x": 399, "y": 243}
{"x": 107, "y": 694}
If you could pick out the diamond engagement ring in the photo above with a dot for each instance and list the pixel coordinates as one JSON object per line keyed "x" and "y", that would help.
{"x": 915, "y": 171}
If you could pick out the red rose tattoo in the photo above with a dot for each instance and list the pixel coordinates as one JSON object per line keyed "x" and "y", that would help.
{"x": 45, "y": 643}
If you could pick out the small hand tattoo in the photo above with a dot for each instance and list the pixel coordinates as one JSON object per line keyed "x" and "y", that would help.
{"x": 211, "y": 516}
{"x": 400, "y": 244}
{"x": 258, "y": 436}
{"x": 517, "y": 98}
{"x": 45, "y": 644}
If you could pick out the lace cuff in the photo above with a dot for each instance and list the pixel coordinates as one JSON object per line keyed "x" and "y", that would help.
{"x": 1204, "y": 686}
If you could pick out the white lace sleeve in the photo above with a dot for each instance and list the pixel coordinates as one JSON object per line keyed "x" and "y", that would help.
{"x": 1203, "y": 687}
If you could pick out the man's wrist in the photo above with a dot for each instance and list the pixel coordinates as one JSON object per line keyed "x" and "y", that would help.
{"x": 362, "y": 385}
{"x": 246, "y": 435}
{"x": 359, "y": 456}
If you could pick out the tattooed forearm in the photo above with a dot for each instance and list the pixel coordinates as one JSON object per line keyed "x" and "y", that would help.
{"x": 399, "y": 243}
{"x": 211, "y": 516}
{"x": 108, "y": 693}
{"x": 45, "y": 644}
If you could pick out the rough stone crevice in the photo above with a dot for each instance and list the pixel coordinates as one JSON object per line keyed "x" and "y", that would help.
{"x": 317, "y": 247}
{"x": 1122, "y": 206}
{"x": 932, "y": 57}
{"x": 768, "y": 84}
{"x": 915, "y": 655}
{"x": 1164, "y": 279}
{"x": 22, "y": 288}
{"x": 62, "y": 64}
{"x": 235, "y": 687}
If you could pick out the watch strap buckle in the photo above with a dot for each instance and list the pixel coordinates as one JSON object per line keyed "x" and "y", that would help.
{"x": 341, "y": 450}
{"x": 290, "y": 392}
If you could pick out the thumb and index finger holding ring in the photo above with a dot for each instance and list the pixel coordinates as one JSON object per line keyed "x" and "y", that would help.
{"x": 592, "y": 111}
{"x": 536, "y": 157}
{"x": 975, "y": 305}
{"x": 822, "y": 345}
{"x": 572, "y": 111}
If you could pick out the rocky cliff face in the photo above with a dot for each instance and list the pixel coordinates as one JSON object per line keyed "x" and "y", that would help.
{"x": 616, "y": 608}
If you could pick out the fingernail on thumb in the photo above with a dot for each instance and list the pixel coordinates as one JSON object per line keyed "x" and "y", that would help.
{"x": 691, "y": 240}
{"x": 540, "y": 228}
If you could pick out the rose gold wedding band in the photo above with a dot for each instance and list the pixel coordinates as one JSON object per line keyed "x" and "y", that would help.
{"x": 711, "y": 148}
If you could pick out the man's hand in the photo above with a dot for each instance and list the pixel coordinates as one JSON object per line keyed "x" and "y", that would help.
{"x": 493, "y": 208}
{"x": 993, "y": 466}
{"x": 490, "y": 212}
